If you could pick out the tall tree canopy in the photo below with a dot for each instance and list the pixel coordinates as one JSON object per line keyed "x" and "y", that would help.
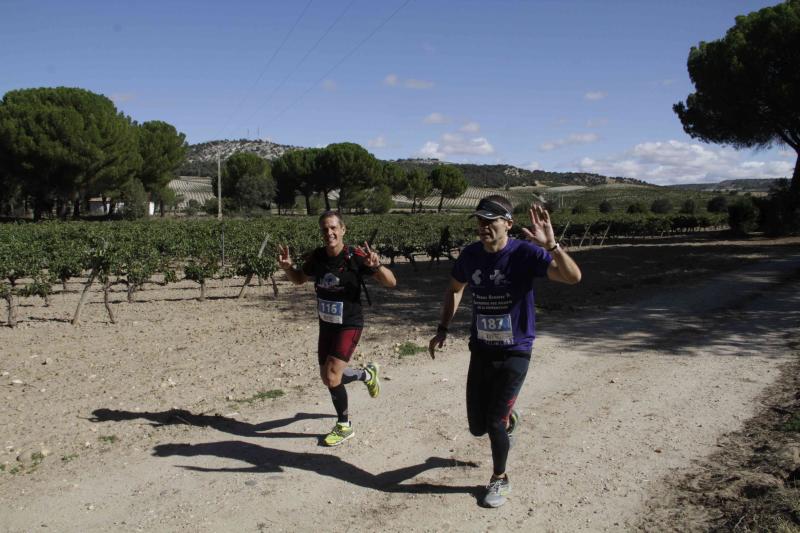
{"x": 418, "y": 187}
{"x": 61, "y": 144}
{"x": 349, "y": 167}
{"x": 450, "y": 181}
{"x": 395, "y": 177}
{"x": 162, "y": 149}
{"x": 748, "y": 83}
{"x": 298, "y": 170}
{"x": 247, "y": 180}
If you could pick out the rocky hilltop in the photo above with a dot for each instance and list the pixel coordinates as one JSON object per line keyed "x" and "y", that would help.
{"x": 201, "y": 160}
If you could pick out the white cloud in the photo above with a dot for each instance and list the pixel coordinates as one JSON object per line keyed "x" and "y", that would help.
{"x": 393, "y": 80}
{"x": 595, "y": 95}
{"x": 329, "y": 85}
{"x": 455, "y": 144}
{"x": 471, "y": 127}
{"x": 596, "y": 122}
{"x": 121, "y": 98}
{"x": 675, "y": 162}
{"x": 377, "y": 142}
{"x": 533, "y": 165}
{"x": 436, "y": 118}
{"x": 575, "y": 138}
{"x": 417, "y": 84}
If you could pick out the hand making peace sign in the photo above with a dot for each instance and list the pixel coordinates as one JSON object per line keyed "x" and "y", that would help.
{"x": 284, "y": 258}
{"x": 371, "y": 259}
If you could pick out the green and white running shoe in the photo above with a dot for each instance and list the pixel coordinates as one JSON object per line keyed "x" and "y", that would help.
{"x": 373, "y": 383}
{"x": 340, "y": 433}
{"x": 496, "y": 492}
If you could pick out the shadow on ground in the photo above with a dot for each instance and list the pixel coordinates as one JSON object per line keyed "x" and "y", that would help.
{"x": 265, "y": 459}
{"x": 220, "y": 423}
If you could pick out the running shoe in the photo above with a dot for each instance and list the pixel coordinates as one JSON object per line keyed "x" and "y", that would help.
{"x": 513, "y": 422}
{"x": 373, "y": 383}
{"x": 496, "y": 492}
{"x": 340, "y": 433}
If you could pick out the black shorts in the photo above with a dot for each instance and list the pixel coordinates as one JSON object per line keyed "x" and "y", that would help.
{"x": 337, "y": 342}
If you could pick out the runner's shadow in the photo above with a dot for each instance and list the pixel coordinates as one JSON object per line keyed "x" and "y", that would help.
{"x": 265, "y": 459}
{"x": 220, "y": 423}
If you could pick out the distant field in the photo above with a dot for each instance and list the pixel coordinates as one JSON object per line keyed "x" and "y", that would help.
{"x": 192, "y": 188}
{"x": 566, "y": 197}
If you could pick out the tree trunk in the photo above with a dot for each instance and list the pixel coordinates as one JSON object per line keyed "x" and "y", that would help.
{"x": 203, "y": 290}
{"x": 795, "y": 185}
{"x": 76, "y": 208}
{"x": 83, "y": 297}
{"x": 107, "y": 304}
{"x": 441, "y": 201}
{"x": 244, "y": 285}
{"x": 274, "y": 286}
{"x": 308, "y": 203}
{"x": 12, "y": 309}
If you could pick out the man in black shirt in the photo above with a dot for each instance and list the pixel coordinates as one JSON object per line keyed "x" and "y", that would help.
{"x": 337, "y": 271}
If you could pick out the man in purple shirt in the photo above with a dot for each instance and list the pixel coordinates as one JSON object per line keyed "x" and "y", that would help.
{"x": 500, "y": 272}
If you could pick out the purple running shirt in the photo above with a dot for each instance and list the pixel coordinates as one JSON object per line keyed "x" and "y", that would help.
{"x": 503, "y": 312}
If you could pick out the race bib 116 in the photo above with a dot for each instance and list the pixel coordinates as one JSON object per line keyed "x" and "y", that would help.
{"x": 329, "y": 311}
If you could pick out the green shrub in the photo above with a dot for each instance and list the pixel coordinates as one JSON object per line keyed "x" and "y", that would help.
{"x": 742, "y": 216}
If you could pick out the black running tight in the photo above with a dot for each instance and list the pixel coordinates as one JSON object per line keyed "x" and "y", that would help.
{"x": 493, "y": 384}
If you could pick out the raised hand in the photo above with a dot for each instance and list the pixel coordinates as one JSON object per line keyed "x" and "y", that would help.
{"x": 284, "y": 258}
{"x": 371, "y": 258}
{"x": 541, "y": 231}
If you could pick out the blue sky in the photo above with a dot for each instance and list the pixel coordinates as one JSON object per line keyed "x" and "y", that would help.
{"x": 571, "y": 85}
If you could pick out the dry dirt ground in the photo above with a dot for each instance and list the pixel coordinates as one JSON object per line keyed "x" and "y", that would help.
{"x": 158, "y": 422}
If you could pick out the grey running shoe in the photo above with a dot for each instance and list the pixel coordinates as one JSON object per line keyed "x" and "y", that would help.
{"x": 373, "y": 383}
{"x": 513, "y": 421}
{"x": 496, "y": 492}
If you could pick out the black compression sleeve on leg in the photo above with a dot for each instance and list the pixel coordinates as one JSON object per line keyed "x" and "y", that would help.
{"x": 339, "y": 397}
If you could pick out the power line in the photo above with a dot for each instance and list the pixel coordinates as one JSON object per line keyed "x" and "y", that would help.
{"x": 308, "y": 53}
{"x": 266, "y": 66}
{"x": 347, "y": 56}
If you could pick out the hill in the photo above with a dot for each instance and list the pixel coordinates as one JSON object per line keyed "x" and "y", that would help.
{"x": 511, "y": 176}
{"x": 741, "y": 185}
{"x": 201, "y": 160}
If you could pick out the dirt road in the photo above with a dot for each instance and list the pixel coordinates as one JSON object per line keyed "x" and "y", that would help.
{"x": 153, "y": 424}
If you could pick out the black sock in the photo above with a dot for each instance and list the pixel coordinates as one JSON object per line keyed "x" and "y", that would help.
{"x": 339, "y": 397}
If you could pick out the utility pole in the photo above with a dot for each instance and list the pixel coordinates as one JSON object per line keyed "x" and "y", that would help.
{"x": 219, "y": 186}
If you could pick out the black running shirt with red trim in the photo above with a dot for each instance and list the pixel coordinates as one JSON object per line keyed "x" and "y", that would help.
{"x": 337, "y": 285}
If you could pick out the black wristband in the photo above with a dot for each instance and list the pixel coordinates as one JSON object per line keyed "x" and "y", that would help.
{"x": 555, "y": 247}
{"x": 441, "y": 329}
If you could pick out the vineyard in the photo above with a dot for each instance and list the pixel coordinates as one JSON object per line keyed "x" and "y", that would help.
{"x": 36, "y": 258}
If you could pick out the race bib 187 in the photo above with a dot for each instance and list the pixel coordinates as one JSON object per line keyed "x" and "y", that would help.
{"x": 495, "y": 329}
{"x": 329, "y": 311}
